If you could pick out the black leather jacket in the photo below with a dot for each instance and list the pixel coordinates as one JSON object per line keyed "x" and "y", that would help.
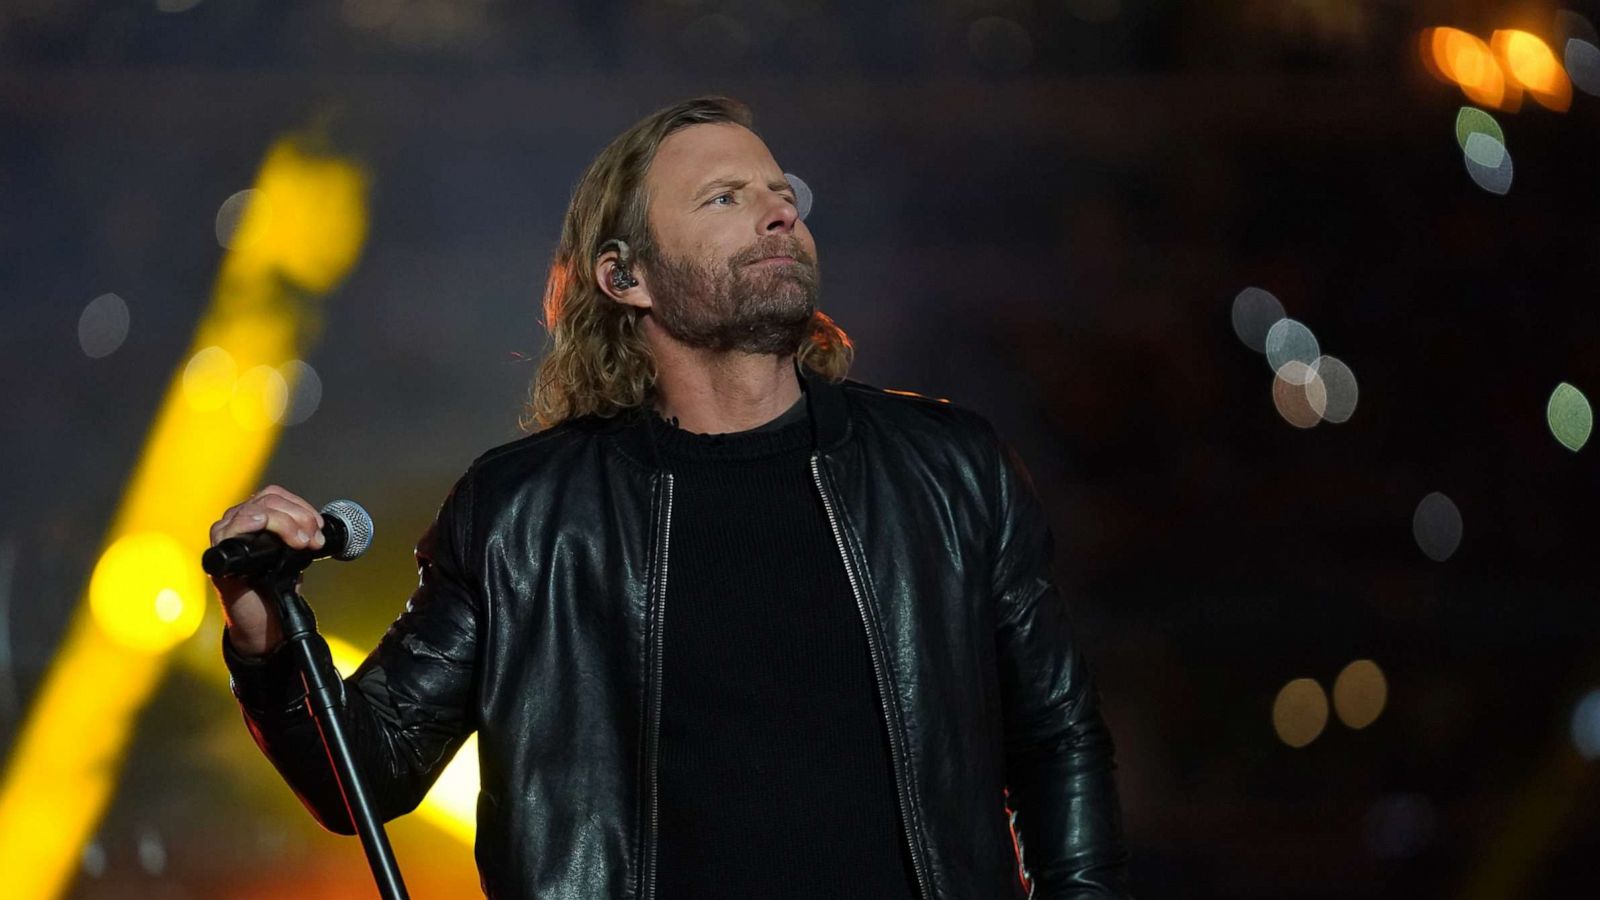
{"x": 537, "y": 623}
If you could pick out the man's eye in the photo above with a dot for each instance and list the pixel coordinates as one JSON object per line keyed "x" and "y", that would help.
{"x": 728, "y": 197}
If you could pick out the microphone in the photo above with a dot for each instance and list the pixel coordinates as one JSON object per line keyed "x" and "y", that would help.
{"x": 347, "y": 533}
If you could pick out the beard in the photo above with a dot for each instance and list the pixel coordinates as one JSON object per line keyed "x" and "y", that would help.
{"x": 734, "y": 306}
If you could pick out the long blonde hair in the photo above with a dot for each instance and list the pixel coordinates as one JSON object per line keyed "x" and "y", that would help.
{"x": 599, "y": 362}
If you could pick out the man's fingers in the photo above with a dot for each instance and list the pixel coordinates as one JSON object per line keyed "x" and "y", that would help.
{"x": 274, "y": 509}
{"x": 295, "y": 524}
{"x": 293, "y": 521}
{"x": 221, "y": 523}
{"x": 274, "y": 490}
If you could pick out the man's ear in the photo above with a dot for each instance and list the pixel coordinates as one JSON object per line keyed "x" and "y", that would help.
{"x": 618, "y": 280}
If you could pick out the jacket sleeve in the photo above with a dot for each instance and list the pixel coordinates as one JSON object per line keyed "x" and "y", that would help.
{"x": 406, "y": 709}
{"x": 1058, "y": 750}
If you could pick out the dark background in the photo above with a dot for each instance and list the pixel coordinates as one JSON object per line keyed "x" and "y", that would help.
{"x": 1041, "y": 210}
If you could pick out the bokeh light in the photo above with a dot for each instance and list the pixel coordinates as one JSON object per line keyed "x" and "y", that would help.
{"x": 103, "y": 326}
{"x": 146, "y": 592}
{"x": 1289, "y": 340}
{"x": 1472, "y": 120}
{"x": 1464, "y": 59}
{"x": 1567, "y": 24}
{"x": 260, "y": 397}
{"x": 1299, "y": 394}
{"x": 94, "y": 859}
{"x": 1360, "y": 693}
{"x": 1339, "y": 386}
{"x": 169, "y": 605}
{"x": 452, "y": 802}
{"x": 1255, "y": 311}
{"x": 802, "y": 194}
{"x": 1484, "y": 150}
{"x": 232, "y": 213}
{"x": 1570, "y": 417}
{"x": 208, "y": 379}
{"x": 1480, "y": 150}
{"x": 152, "y": 852}
{"x": 1583, "y": 65}
{"x": 1586, "y": 725}
{"x": 1300, "y": 712}
{"x": 1437, "y": 527}
{"x": 1531, "y": 62}
{"x": 305, "y": 390}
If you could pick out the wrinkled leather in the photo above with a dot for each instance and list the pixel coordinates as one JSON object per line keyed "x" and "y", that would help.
{"x": 536, "y": 618}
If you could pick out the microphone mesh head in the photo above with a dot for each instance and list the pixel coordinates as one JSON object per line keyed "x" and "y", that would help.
{"x": 357, "y": 524}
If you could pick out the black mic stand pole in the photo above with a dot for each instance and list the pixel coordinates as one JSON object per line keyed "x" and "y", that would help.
{"x": 323, "y": 689}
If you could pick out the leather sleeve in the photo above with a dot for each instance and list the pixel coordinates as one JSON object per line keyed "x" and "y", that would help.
{"x": 406, "y": 708}
{"x": 1058, "y": 750}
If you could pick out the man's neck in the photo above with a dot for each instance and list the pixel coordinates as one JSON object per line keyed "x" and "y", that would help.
{"x": 718, "y": 393}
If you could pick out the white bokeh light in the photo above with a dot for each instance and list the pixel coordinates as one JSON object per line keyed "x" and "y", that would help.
{"x": 208, "y": 379}
{"x": 260, "y": 398}
{"x": 1299, "y": 394}
{"x": 1586, "y": 725}
{"x": 1484, "y": 150}
{"x": 1255, "y": 311}
{"x": 1340, "y": 384}
{"x": 1489, "y": 163}
{"x": 1583, "y": 65}
{"x": 305, "y": 390}
{"x": 231, "y": 214}
{"x": 103, "y": 326}
{"x": 803, "y": 197}
{"x": 1290, "y": 341}
{"x": 1436, "y": 525}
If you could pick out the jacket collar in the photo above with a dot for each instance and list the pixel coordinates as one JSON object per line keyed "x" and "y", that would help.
{"x": 825, "y": 404}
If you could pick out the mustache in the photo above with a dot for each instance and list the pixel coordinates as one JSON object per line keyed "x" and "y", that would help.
{"x": 776, "y": 245}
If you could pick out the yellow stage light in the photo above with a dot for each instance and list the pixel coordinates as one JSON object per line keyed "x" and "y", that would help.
{"x": 452, "y": 803}
{"x": 207, "y": 447}
{"x": 208, "y": 379}
{"x": 146, "y": 593}
{"x": 259, "y": 398}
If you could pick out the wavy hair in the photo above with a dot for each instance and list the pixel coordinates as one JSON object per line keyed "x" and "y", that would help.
{"x": 598, "y": 361}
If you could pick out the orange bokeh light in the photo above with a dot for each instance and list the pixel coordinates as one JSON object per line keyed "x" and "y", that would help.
{"x": 1462, "y": 58}
{"x": 1529, "y": 62}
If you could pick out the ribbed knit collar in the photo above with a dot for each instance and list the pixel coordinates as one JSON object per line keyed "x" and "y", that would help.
{"x": 633, "y": 434}
{"x": 792, "y": 432}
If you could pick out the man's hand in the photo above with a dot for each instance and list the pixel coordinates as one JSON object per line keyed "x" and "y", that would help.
{"x": 253, "y": 626}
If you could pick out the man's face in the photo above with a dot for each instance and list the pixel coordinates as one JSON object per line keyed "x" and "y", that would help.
{"x": 734, "y": 268}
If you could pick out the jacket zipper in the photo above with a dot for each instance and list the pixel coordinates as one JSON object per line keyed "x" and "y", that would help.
{"x": 896, "y": 751}
{"x": 665, "y": 539}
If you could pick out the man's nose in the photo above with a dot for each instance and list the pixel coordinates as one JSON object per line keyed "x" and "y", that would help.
{"x": 781, "y": 217}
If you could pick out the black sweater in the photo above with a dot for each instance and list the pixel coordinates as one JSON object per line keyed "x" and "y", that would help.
{"x": 774, "y": 767}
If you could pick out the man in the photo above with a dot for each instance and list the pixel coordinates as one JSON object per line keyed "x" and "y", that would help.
{"x": 727, "y": 625}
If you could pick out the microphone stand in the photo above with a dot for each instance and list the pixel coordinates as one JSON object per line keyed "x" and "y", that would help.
{"x": 323, "y": 688}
